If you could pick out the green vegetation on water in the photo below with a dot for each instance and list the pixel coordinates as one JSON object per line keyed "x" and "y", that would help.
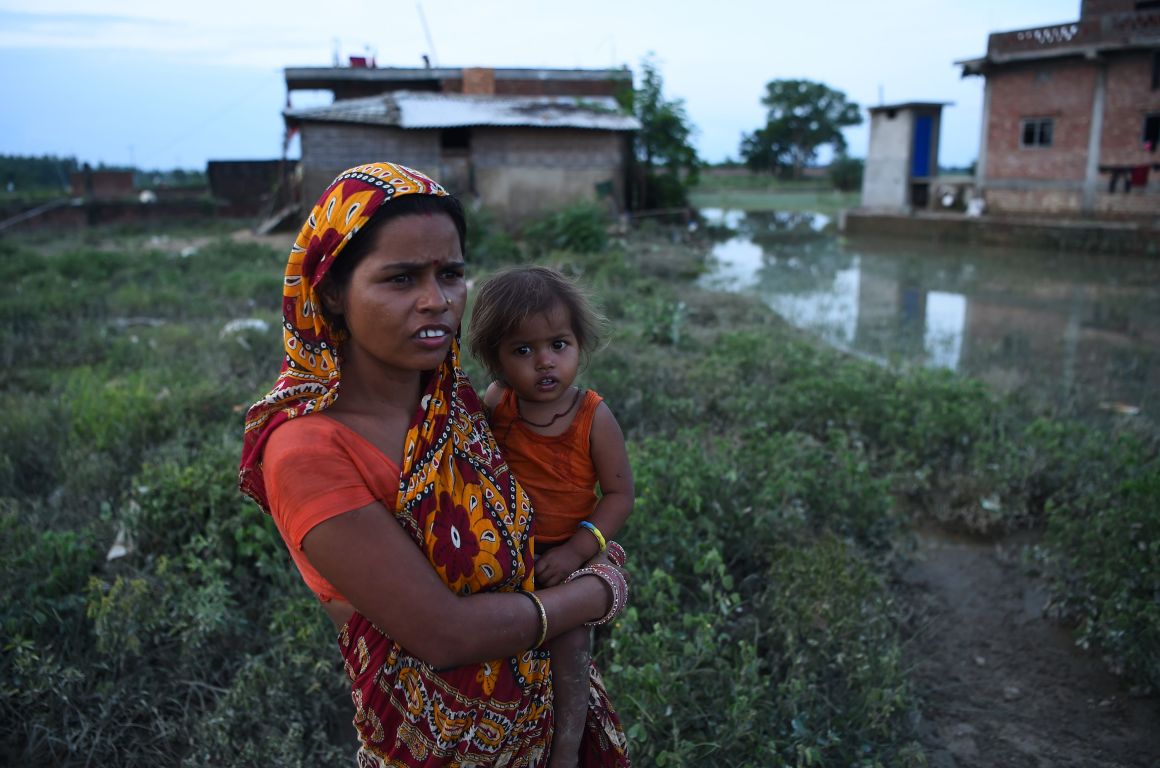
{"x": 777, "y": 484}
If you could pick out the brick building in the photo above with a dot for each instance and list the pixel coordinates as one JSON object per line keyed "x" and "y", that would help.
{"x": 522, "y": 141}
{"x": 1071, "y": 114}
{"x": 101, "y": 184}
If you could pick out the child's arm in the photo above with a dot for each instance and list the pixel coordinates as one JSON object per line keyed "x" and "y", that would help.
{"x": 613, "y": 473}
{"x": 610, "y": 458}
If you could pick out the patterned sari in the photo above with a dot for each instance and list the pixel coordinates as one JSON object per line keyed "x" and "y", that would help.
{"x": 461, "y": 506}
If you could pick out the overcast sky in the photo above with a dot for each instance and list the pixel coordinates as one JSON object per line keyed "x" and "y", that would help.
{"x": 164, "y": 84}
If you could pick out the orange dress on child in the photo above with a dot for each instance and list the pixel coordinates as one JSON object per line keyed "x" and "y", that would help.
{"x": 556, "y": 471}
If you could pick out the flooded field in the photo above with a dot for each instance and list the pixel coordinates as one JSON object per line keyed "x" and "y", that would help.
{"x": 1080, "y": 331}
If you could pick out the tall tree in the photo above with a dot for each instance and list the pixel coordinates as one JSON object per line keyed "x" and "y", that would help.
{"x": 802, "y": 116}
{"x": 663, "y": 146}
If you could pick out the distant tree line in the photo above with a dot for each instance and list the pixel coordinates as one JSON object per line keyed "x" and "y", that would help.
{"x": 802, "y": 117}
{"x": 36, "y": 173}
{"x": 23, "y": 174}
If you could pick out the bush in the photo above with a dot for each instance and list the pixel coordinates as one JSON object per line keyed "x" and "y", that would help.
{"x": 1103, "y": 559}
{"x": 489, "y": 245}
{"x": 580, "y": 228}
{"x": 843, "y": 693}
{"x": 846, "y": 173}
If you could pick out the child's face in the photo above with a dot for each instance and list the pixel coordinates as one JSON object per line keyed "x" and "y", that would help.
{"x": 541, "y": 358}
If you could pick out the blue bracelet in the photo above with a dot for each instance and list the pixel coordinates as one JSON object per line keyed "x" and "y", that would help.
{"x": 595, "y": 532}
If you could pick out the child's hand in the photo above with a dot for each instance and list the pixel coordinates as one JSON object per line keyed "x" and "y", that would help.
{"x": 556, "y": 565}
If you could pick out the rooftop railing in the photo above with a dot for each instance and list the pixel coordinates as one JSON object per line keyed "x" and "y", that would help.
{"x": 1131, "y": 27}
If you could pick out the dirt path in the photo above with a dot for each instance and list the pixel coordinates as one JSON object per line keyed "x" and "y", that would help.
{"x": 1001, "y": 684}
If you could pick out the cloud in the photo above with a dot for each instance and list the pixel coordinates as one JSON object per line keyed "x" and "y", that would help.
{"x": 208, "y": 38}
{"x": 20, "y": 29}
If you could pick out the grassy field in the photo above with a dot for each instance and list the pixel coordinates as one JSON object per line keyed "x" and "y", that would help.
{"x": 151, "y": 615}
{"x": 761, "y": 192}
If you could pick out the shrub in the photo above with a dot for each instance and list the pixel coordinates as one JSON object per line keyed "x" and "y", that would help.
{"x": 831, "y": 633}
{"x": 1103, "y": 559}
{"x": 489, "y": 245}
{"x": 579, "y": 228}
{"x": 846, "y": 173}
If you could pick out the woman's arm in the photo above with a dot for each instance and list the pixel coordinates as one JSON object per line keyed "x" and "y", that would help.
{"x": 372, "y": 562}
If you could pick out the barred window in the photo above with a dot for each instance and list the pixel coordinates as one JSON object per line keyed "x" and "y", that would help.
{"x": 1036, "y": 131}
{"x": 1151, "y": 131}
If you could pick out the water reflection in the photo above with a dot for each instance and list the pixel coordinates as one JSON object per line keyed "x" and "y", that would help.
{"x": 1079, "y": 329}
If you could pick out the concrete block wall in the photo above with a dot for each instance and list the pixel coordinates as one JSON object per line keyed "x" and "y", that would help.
{"x": 886, "y": 179}
{"x": 329, "y": 149}
{"x": 517, "y": 172}
{"x": 523, "y": 172}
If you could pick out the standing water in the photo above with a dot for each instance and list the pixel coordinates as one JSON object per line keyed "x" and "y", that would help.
{"x": 1077, "y": 330}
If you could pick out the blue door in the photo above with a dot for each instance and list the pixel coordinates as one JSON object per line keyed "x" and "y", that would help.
{"x": 920, "y": 160}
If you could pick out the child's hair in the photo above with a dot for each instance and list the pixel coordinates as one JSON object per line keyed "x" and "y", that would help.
{"x": 510, "y": 296}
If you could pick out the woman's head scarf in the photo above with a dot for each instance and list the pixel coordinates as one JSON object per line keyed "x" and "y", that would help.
{"x": 310, "y": 376}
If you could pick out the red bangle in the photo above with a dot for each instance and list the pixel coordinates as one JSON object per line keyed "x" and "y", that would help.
{"x": 616, "y": 583}
{"x": 616, "y": 553}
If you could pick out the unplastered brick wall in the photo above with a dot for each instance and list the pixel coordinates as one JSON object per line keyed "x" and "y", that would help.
{"x": 1141, "y": 202}
{"x": 1059, "y": 90}
{"x": 1099, "y": 7}
{"x": 1129, "y": 99}
{"x": 1051, "y": 202}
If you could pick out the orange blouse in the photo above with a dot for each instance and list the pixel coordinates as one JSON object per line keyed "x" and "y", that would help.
{"x": 317, "y": 468}
{"x": 556, "y": 471}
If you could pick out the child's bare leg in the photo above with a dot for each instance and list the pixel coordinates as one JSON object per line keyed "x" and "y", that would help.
{"x": 570, "y": 683}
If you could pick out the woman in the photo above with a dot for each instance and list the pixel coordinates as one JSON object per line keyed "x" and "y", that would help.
{"x": 375, "y": 460}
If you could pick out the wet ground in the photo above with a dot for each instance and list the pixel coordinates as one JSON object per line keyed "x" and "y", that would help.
{"x": 1004, "y": 685}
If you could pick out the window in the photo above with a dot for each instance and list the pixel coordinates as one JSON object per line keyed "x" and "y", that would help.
{"x": 1151, "y": 131}
{"x": 1037, "y": 131}
{"x": 455, "y": 138}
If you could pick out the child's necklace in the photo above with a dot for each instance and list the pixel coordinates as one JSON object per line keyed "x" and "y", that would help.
{"x": 555, "y": 418}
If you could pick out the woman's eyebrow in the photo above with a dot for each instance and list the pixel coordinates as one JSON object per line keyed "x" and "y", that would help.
{"x": 413, "y": 266}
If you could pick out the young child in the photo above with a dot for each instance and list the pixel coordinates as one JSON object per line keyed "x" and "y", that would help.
{"x": 532, "y": 328}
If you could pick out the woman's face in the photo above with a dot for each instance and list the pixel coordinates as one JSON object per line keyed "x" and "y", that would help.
{"x": 404, "y": 300}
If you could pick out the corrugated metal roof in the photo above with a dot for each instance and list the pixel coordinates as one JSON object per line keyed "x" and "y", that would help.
{"x": 441, "y": 73}
{"x": 413, "y": 109}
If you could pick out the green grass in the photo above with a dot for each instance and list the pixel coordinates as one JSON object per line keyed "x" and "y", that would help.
{"x": 828, "y": 202}
{"x": 766, "y": 192}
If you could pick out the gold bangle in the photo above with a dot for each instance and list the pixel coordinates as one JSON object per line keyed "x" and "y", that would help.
{"x": 591, "y": 528}
{"x": 543, "y": 616}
